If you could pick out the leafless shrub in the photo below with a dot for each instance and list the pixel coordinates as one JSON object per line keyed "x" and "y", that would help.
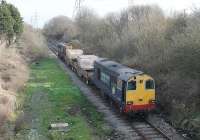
{"x": 20, "y": 123}
{"x": 33, "y": 44}
{"x": 60, "y": 27}
{"x": 6, "y": 77}
{"x": 7, "y": 105}
{"x": 14, "y": 72}
{"x": 4, "y": 100}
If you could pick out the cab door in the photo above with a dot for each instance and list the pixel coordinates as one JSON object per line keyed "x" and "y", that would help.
{"x": 123, "y": 91}
{"x": 121, "y": 86}
{"x": 134, "y": 93}
{"x": 149, "y": 91}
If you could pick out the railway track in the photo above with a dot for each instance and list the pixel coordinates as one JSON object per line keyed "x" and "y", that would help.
{"x": 149, "y": 132}
{"x": 132, "y": 129}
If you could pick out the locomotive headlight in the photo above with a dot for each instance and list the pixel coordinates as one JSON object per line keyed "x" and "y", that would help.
{"x": 152, "y": 101}
{"x": 129, "y": 102}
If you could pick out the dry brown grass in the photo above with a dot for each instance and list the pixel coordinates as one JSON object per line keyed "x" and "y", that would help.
{"x": 7, "y": 105}
{"x": 13, "y": 69}
{"x": 13, "y": 75}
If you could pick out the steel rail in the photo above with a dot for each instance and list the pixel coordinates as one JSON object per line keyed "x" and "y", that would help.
{"x": 158, "y": 130}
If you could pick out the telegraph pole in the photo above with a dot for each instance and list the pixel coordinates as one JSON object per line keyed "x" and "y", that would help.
{"x": 130, "y": 5}
{"x": 34, "y": 20}
{"x": 130, "y": 18}
{"x": 77, "y": 7}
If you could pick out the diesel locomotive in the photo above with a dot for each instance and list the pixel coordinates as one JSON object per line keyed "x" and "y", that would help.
{"x": 130, "y": 89}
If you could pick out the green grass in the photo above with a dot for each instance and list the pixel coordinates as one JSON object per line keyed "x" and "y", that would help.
{"x": 50, "y": 97}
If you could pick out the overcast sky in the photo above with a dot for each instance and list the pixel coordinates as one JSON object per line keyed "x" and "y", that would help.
{"x": 37, "y": 12}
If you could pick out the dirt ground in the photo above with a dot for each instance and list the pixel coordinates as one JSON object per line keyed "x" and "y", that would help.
{"x": 30, "y": 118}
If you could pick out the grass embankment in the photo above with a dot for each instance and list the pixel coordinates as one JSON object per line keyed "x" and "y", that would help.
{"x": 50, "y": 97}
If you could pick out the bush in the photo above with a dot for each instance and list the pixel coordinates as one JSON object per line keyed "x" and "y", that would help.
{"x": 60, "y": 27}
{"x": 33, "y": 44}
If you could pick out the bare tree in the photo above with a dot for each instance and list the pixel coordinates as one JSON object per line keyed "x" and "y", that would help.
{"x": 59, "y": 26}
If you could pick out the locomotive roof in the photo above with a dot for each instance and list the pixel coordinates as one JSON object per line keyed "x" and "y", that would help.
{"x": 61, "y": 44}
{"x": 124, "y": 72}
{"x": 88, "y": 56}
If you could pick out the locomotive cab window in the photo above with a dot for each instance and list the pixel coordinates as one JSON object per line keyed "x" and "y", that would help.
{"x": 131, "y": 85}
{"x": 150, "y": 84}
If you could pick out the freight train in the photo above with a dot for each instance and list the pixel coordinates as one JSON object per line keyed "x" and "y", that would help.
{"x": 131, "y": 90}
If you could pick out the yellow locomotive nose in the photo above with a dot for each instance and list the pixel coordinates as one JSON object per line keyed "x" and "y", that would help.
{"x": 140, "y": 94}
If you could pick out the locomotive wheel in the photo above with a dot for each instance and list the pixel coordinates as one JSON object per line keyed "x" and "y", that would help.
{"x": 84, "y": 79}
{"x": 102, "y": 94}
{"x": 145, "y": 114}
{"x": 111, "y": 102}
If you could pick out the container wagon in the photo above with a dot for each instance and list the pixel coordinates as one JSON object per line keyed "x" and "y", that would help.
{"x": 62, "y": 48}
{"x": 71, "y": 57}
{"x": 85, "y": 66}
